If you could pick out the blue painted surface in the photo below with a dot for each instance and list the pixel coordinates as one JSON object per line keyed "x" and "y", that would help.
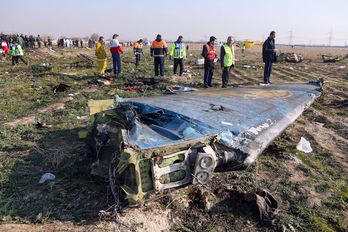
{"x": 170, "y": 128}
{"x": 189, "y": 116}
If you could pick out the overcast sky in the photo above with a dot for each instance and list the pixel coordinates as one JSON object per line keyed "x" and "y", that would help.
{"x": 311, "y": 21}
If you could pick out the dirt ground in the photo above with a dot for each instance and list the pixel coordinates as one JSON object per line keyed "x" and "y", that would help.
{"x": 311, "y": 189}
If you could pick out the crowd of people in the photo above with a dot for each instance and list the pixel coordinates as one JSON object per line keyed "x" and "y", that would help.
{"x": 27, "y": 41}
{"x": 69, "y": 43}
{"x": 14, "y": 49}
{"x": 31, "y": 42}
{"x": 91, "y": 43}
{"x": 13, "y": 45}
{"x": 177, "y": 53}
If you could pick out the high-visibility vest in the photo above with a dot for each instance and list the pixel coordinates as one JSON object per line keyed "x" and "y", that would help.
{"x": 229, "y": 55}
{"x": 158, "y": 49}
{"x": 138, "y": 48}
{"x": 17, "y": 50}
{"x": 178, "y": 50}
{"x": 210, "y": 52}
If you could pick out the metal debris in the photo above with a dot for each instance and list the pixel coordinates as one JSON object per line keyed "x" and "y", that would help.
{"x": 173, "y": 89}
{"x": 154, "y": 143}
{"x": 304, "y": 146}
{"x": 38, "y": 68}
{"x": 47, "y": 176}
{"x": 40, "y": 125}
{"x": 84, "y": 61}
{"x": 333, "y": 59}
{"x": 258, "y": 202}
{"x": 290, "y": 57}
{"x": 199, "y": 62}
{"x": 60, "y": 88}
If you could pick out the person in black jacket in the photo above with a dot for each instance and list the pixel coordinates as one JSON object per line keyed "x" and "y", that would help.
{"x": 269, "y": 56}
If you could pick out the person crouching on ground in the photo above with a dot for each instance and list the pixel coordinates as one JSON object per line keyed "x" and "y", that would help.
{"x": 227, "y": 60}
{"x": 209, "y": 55}
{"x": 115, "y": 50}
{"x": 101, "y": 56}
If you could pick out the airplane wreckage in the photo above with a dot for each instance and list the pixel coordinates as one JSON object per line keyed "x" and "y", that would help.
{"x": 145, "y": 145}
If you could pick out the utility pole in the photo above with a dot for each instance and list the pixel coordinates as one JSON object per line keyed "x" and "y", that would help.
{"x": 290, "y": 37}
{"x": 330, "y": 37}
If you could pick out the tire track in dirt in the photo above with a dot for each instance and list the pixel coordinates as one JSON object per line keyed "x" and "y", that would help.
{"x": 299, "y": 74}
{"x": 237, "y": 79}
{"x": 333, "y": 78}
{"x": 334, "y": 91}
{"x": 282, "y": 73}
{"x": 322, "y": 71}
{"x": 243, "y": 75}
{"x": 254, "y": 76}
{"x": 310, "y": 75}
{"x": 315, "y": 66}
{"x": 291, "y": 74}
{"x": 257, "y": 76}
{"x": 236, "y": 76}
{"x": 281, "y": 76}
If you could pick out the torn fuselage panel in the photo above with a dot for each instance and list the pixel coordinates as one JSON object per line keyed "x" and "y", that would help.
{"x": 170, "y": 141}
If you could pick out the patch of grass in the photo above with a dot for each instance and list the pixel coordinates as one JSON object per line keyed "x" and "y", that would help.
{"x": 321, "y": 224}
{"x": 74, "y": 195}
{"x": 343, "y": 113}
{"x": 325, "y": 179}
{"x": 318, "y": 106}
{"x": 305, "y": 169}
{"x": 247, "y": 177}
{"x": 18, "y": 138}
{"x": 322, "y": 187}
{"x": 286, "y": 187}
{"x": 320, "y": 174}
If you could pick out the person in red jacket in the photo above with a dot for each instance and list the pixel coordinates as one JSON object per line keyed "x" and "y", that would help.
{"x": 209, "y": 56}
{"x": 4, "y": 46}
{"x": 116, "y": 49}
